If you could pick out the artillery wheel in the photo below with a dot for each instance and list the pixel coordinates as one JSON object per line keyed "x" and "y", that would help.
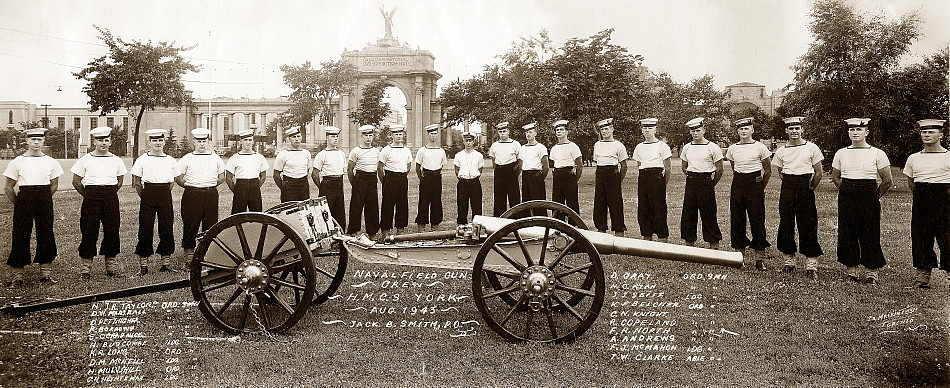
{"x": 542, "y": 286}
{"x": 235, "y": 274}
{"x": 329, "y": 264}
{"x": 552, "y": 209}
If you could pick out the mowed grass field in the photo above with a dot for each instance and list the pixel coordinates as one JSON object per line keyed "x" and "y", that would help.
{"x": 785, "y": 330}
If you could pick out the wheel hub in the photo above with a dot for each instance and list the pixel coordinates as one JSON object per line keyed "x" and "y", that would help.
{"x": 538, "y": 283}
{"x": 252, "y": 276}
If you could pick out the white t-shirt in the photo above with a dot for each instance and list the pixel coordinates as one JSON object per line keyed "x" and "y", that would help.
{"x": 609, "y": 153}
{"x": 156, "y": 169}
{"x": 860, "y": 163}
{"x": 504, "y": 152}
{"x": 330, "y": 162}
{"x": 565, "y": 154}
{"x": 469, "y": 164}
{"x": 701, "y": 157}
{"x": 747, "y": 157}
{"x": 198, "y": 171}
{"x": 929, "y": 167}
{"x": 293, "y": 163}
{"x": 246, "y": 166}
{"x": 651, "y": 155}
{"x": 531, "y": 155}
{"x": 797, "y": 159}
{"x": 366, "y": 159}
{"x": 33, "y": 170}
{"x": 431, "y": 158}
{"x": 396, "y": 159}
{"x": 99, "y": 170}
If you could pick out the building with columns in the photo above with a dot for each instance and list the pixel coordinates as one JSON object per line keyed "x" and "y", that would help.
{"x": 747, "y": 95}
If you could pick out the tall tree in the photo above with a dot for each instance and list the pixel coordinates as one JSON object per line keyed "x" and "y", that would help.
{"x": 314, "y": 90}
{"x": 919, "y": 91}
{"x": 136, "y": 76}
{"x": 371, "y": 109}
{"x": 847, "y": 70}
{"x": 676, "y": 103}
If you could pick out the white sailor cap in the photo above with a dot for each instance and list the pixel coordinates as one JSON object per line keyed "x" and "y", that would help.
{"x": 560, "y": 123}
{"x": 695, "y": 123}
{"x": 502, "y": 125}
{"x": 157, "y": 133}
{"x": 292, "y": 131}
{"x": 397, "y": 128}
{"x": 931, "y": 124}
{"x": 529, "y": 126}
{"x": 100, "y": 132}
{"x": 200, "y": 133}
{"x": 36, "y": 132}
{"x": 331, "y": 130}
{"x": 367, "y": 129}
{"x": 745, "y": 122}
{"x": 432, "y": 128}
{"x": 650, "y": 122}
{"x": 246, "y": 133}
{"x": 793, "y": 121}
{"x": 469, "y": 134}
{"x": 857, "y": 122}
{"x": 605, "y": 122}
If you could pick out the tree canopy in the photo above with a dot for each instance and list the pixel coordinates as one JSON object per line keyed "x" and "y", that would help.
{"x": 852, "y": 69}
{"x": 136, "y": 76}
{"x": 314, "y": 90}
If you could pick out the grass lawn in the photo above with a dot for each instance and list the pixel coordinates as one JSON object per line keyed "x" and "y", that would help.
{"x": 729, "y": 327}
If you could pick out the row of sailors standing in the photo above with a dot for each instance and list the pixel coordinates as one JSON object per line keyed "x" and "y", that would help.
{"x": 99, "y": 174}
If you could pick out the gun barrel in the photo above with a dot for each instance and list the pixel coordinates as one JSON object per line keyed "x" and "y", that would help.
{"x": 610, "y": 244}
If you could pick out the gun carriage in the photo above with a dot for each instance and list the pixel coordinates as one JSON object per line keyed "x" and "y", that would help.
{"x": 536, "y": 278}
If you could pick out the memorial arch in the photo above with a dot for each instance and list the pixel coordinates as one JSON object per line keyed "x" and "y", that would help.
{"x": 411, "y": 70}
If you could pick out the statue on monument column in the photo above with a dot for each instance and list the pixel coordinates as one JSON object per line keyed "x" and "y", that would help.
{"x": 388, "y": 17}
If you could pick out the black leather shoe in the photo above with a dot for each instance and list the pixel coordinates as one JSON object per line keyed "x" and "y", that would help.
{"x": 854, "y": 279}
{"x": 112, "y": 274}
{"x": 788, "y": 268}
{"x": 87, "y": 276}
{"x": 760, "y": 265}
{"x": 870, "y": 280}
{"x": 811, "y": 274}
{"x": 47, "y": 280}
{"x": 15, "y": 283}
{"x": 165, "y": 268}
{"x": 143, "y": 270}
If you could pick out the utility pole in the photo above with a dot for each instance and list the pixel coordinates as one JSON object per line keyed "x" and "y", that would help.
{"x": 45, "y": 115}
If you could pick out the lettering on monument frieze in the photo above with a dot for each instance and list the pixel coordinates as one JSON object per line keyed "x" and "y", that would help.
{"x": 386, "y": 61}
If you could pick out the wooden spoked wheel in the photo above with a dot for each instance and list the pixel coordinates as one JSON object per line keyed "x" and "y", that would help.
{"x": 550, "y": 209}
{"x": 545, "y": 263}
{"x": 252, "y": 273}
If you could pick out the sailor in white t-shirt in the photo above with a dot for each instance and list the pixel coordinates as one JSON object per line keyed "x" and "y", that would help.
{"x": 653, "y": 167}
{"x": 702, "y": 165}
{"x": 97, "y": 177}
{"x": 292, "y": 167}
{"x": 395, "y": 161}
{"x": 751, "y": 169}
{"x": 152, "y": 177}
{"x": 928, "y": 177}
{"x": 568, "y": 168}
{"x": 799, "y": 165}
{"x": 202, "y": 171}
{"x": 429, "y": 163}
{"x": 245, "y": 172}
{"x": 36, "y": 176}
{"x": 329, "y": 165}
{"x": 534, "y": 167}
{"x": 610, "y": 155}
{"x": 504, "y": 155}
{"x": 855, "y": 171}
{"x": 468, "y": 168}
{"x": 361, "y": 171}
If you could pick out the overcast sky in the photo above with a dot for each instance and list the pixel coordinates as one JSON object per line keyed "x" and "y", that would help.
{"x": 241, "y": 44}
